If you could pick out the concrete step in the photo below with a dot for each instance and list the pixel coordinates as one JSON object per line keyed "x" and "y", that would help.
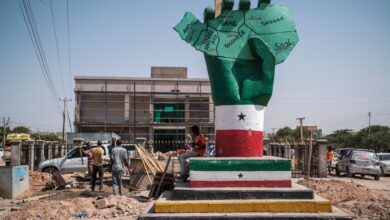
{"x": 166, "y": 204}
{"x": 336, "y": 214}
{"x": 184, "y": 192}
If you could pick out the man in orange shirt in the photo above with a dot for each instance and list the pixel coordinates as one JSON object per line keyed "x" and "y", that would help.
{"x": 329, "y": 159}
{"x": 197, "y": 150}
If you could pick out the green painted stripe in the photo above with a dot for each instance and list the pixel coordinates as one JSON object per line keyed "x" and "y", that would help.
{"x": 240, "y": 165}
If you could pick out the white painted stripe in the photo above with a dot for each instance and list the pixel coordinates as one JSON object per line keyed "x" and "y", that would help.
{"x": 227, "y": 117}
{"x": 235, "y": 175}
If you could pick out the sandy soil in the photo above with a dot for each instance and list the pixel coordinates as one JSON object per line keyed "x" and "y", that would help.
{"x": 64, "y": 204}
{"x": 67, "y": 209}
{"x": 355, "y": 199}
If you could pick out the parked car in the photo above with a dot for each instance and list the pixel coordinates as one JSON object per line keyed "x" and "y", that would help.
{"x": 1, "y": 152}
{"x": 72, "y": 162}
{"x": 384, "y": 163}
{"x": 359, "y": 162}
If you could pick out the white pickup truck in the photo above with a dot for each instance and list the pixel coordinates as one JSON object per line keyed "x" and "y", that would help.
{"x": 71, "y": 162}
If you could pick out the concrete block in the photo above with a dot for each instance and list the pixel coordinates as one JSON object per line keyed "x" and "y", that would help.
{"x": 102, "y": 203}
{"x": 14, "y": 180}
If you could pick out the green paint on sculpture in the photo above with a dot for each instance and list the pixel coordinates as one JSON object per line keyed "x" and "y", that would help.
{"x": 241, "y": 49}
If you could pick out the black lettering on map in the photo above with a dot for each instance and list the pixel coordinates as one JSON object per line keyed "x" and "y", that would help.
{"x": 235, "y": 39}
{"x": 272, "y": 21}
{"x": 283, "y": 46}
{"x": 231, "y": 23}
{"x": 190, "y": 25}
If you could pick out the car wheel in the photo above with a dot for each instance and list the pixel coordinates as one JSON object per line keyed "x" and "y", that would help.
{"x": 348, "y": 173}
{"x": 377, "y": 177}
{"x": 49, "y": 170}
{"x": 337, "y": 171}
{"x": 382, "y": 172}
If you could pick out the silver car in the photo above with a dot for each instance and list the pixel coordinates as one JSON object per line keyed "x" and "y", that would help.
{"x": 72, "y": 162}
{"x": 359, "y": 162}
{"x": 384, "y": 162}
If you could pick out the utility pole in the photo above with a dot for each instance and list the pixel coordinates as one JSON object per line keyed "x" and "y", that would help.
{"x": 310, "y": 155}
{"x": 63, "y": 117}
{"x": 369, "y": 123}
{"x": 5, "y": 125}
{"x": 301, "y": 127}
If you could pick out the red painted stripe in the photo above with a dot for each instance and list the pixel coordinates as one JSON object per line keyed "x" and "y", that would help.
{"x": 239, "y": 143}
{"x": 272, "y": 183}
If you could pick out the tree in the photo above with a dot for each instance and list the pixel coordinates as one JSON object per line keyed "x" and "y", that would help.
{"x": 378, "y": 139}
{"x": 21, "y": 129}
{"x": 284, "y": 134}
{"x": 45, "y": 137}
{"x": 8, "y": 130}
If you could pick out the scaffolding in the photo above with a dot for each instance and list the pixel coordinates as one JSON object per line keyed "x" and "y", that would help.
{"x": 163, "y": 116}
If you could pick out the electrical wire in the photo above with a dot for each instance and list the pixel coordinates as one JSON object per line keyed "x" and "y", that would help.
{"x": 32, "y": 29}
{"x": 69, "y": 58}
{"x": 57, "y": 47}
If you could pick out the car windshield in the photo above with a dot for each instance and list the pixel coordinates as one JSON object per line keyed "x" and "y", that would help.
{"x": 75, "y": 153}
{"x": 384, "y": 157}
{"x": 364, "y": 156}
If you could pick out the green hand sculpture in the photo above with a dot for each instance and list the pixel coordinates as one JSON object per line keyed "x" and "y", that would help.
{"x": 241, "y": 49}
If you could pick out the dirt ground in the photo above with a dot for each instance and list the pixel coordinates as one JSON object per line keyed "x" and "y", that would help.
{"x": 67, "y": 203}
{"x": 354, "y": 198}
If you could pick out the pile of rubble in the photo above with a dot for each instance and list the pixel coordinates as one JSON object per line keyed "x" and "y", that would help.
{"x": 355, "y": 199}
{"x": 110, "y": 207}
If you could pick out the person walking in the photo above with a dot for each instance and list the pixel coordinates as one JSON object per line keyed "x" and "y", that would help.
{"x": 119, "y": 159}
{"x": 329, "y": 159}
{"x": 97, "y": 162}
{"x": 197, "y": 149}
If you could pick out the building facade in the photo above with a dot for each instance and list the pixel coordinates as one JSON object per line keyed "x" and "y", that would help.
{"x": 161, "y": 108}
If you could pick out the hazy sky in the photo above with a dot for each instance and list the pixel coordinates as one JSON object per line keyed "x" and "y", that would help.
{"x": 338, "y": 72}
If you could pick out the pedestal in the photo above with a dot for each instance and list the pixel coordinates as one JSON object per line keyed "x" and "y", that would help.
{"x": 266, "y": 171}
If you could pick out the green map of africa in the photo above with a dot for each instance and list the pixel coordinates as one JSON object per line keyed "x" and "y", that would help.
{"x": 241, "y": 48}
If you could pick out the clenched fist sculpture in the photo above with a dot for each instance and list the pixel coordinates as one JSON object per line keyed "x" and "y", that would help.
{"x": 241, "y": 48}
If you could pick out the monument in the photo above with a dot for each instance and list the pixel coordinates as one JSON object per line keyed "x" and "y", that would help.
{"x": 241, "y": 48}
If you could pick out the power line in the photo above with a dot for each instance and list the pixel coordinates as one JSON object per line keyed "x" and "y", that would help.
{"x": 58, "y": 48}
{"x": 69, "y": 58}
{"x": 32, "y": 29}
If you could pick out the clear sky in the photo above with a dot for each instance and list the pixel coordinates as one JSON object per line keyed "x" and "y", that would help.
{"x": 339, "y": 71}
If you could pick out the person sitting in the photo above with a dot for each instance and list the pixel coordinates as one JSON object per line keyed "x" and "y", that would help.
{"x": 195, "y": 149}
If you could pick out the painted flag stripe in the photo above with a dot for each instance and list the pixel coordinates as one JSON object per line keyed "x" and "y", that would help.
{"x": 277, "y": 183}
{"x": 240, "y": 175}
{"x": 240, "y": 165}
{"x": 239, "y": 117}
{"x": 239, "y": 143}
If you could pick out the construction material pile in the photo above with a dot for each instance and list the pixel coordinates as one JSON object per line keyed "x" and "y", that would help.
{"x": 355, "y": 199}
{"x": 150, "y": 163}
{"x": 117, "y": 206}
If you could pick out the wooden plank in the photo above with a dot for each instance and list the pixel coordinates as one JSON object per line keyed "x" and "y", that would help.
{"x": 162, "y": 178}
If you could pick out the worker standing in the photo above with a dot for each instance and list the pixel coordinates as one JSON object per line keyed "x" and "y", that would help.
{"x": 97, "y": 158}
{"x": 198, "y": 148}
{"x": 329, "y": 159}
{"x": 88, "y": 152}
{"x": 119, "y": 159}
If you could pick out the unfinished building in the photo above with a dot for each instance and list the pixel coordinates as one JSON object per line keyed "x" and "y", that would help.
{"x": 161, "y": 108}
